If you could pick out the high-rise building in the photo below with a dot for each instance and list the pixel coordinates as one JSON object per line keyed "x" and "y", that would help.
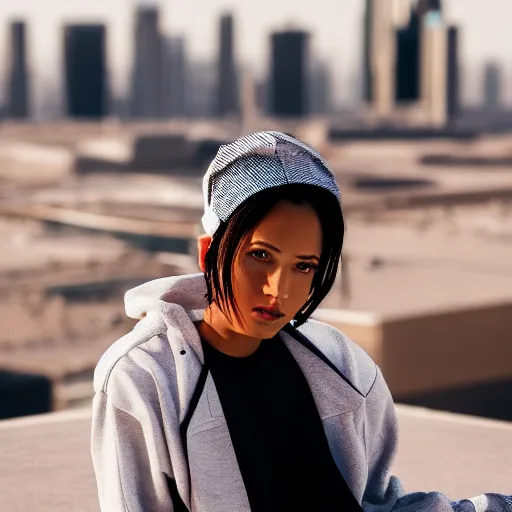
{"x": 408, "y": 61}
{"x": 289, "y": 73}
{"x": 201, "y": 89}
{"x": 227, "y": 82}
{"x": 85, "y": 70}
{"x": 381, "y": 18}
{"x": 382, "y": 56}
{"x": 410, "y": 57}
{"x": 319, "y": 88}
{"x": 18, "y": 104}
{"x": 492, "y": 86}
{"x": 434, "y": 69}
{"x": 174, "y": 81}
{"x": 453, "y": 94}
{"x": 367, "y": 52}
{"x": 146, "y": 92}
{"x": 408, "y": 47}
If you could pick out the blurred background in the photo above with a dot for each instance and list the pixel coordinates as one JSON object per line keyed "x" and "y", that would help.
{"x": 111, "y": 110}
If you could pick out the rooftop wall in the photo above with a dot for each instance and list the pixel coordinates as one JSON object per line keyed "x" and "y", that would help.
{"x": 427, "y": 357}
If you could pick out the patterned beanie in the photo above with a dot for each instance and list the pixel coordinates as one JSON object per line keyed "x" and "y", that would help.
{"x": 257, "y": 162}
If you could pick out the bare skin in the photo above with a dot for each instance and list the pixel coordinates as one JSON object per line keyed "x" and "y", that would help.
{"x": 275, "y": 267}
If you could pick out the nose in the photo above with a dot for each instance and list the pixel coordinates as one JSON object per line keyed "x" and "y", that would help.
{"x": 277, "y": 285}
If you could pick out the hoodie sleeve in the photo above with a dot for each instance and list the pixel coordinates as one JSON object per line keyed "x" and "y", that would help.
{"x": 384, "y": 493}
{"x": 127, "y": 479}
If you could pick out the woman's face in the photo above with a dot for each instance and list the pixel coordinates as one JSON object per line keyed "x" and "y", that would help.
{"x": 275, "y": 267}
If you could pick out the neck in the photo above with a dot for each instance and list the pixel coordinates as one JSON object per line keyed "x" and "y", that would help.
{"x": 220, "y": 334}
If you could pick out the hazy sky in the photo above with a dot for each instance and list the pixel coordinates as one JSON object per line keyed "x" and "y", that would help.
{"x": 336, "y": 24}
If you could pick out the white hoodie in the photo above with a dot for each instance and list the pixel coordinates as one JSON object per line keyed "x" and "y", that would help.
{"x": 160, "y": 441}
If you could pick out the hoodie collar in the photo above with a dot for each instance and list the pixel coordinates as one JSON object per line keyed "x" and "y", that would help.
{"x": 175, "y": 301}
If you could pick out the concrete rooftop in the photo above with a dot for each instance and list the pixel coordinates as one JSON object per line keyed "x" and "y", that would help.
{"x": 46, "y": 465}
{"x": 450, "y": 264}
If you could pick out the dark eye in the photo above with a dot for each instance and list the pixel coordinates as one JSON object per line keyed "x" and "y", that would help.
{"x": 260, "y": 254}
{"x": 306, "y": 268}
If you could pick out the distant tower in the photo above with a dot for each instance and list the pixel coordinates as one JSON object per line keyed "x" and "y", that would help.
{"x": 85, "y": 70}
{"x": 174, "y": 77}
{"x": 289, "y": 71}
{"x": 434, "y": 71}
{"x": 367, "y": 52}
{"x": 492, "y": 86}
{"x": 201, "y": 89}
{"x": 453, "y": 74}
{"x": 408, "y": 61}
{"x": 408, "y": 49}
{"x": 146, "y": 94}
{"x": 18, "y": 76}
{"x": 319, "y": 88}
{"x": 382, "y": 55}
{"x": 381, "y": 17}
{"x": 227, "y": 83}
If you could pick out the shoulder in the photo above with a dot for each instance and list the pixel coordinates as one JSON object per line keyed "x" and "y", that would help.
{"x": 348, "y": 357}
{"x": 131, "y": 359}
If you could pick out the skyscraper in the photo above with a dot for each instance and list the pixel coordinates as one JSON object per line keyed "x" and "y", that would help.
{"x": 174, "y": 78}
{"x": 227, "y": 83}
{"x": 492, "y": 83}
{"x": 201, "y": 89}
{"x": 411, "y": 57}
{"x": 453, "y": 95}
{"x": 289, "y": 73}
{"x": 434, "y": 69}
{"x": 18, "y": 75}
{"x": 408, "y": 58}
{"x": 408, "y": 49}
{"x": 319, "y": 88}
{"x": 367, "y": 52}
{"x": 382, "y": 56}
{"x": 85, "y": 70}
{"x": 146, "y": 93}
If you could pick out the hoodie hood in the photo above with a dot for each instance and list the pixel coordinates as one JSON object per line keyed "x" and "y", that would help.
{"x": 166, "y": 308}
{"x": 167, "y": 305}
{"x": 161, "y": 296}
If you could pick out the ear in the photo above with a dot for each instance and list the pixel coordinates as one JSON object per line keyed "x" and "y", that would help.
{"x": 203, "y": 243}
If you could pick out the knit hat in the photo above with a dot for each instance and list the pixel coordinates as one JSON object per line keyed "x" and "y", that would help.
{"x": 257, "y": 162}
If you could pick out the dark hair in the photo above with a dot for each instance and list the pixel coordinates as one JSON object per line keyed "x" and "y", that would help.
{"x": 228, "y": 239}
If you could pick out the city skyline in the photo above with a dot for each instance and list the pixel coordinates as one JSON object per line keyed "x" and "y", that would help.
{"x": 343, "y": 39}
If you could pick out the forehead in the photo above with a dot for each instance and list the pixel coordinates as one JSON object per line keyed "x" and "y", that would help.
{"x": 290, "y": 227}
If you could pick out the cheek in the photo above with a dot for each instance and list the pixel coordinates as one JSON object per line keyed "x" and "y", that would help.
{"x": 299, "y": 290}
{"x": 248, "y": 281}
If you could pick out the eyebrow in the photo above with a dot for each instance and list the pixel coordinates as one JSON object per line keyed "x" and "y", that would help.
{"x": 274, "y": 248}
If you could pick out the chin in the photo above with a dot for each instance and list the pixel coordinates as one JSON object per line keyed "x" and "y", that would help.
{"x": 257, "y": 330}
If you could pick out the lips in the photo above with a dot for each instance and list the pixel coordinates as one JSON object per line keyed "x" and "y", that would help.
{"x": 273, "y": 312}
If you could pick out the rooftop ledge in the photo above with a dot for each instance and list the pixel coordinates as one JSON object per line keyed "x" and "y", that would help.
{"x": 46, "y": 465}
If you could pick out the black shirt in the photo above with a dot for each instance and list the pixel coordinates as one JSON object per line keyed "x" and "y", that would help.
{"x": 276, "y": 431}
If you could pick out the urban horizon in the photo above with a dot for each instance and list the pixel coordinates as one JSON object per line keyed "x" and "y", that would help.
{"x": 47, "y": 92}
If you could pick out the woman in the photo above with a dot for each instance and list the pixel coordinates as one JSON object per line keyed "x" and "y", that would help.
{"x": 226, "y": 397}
